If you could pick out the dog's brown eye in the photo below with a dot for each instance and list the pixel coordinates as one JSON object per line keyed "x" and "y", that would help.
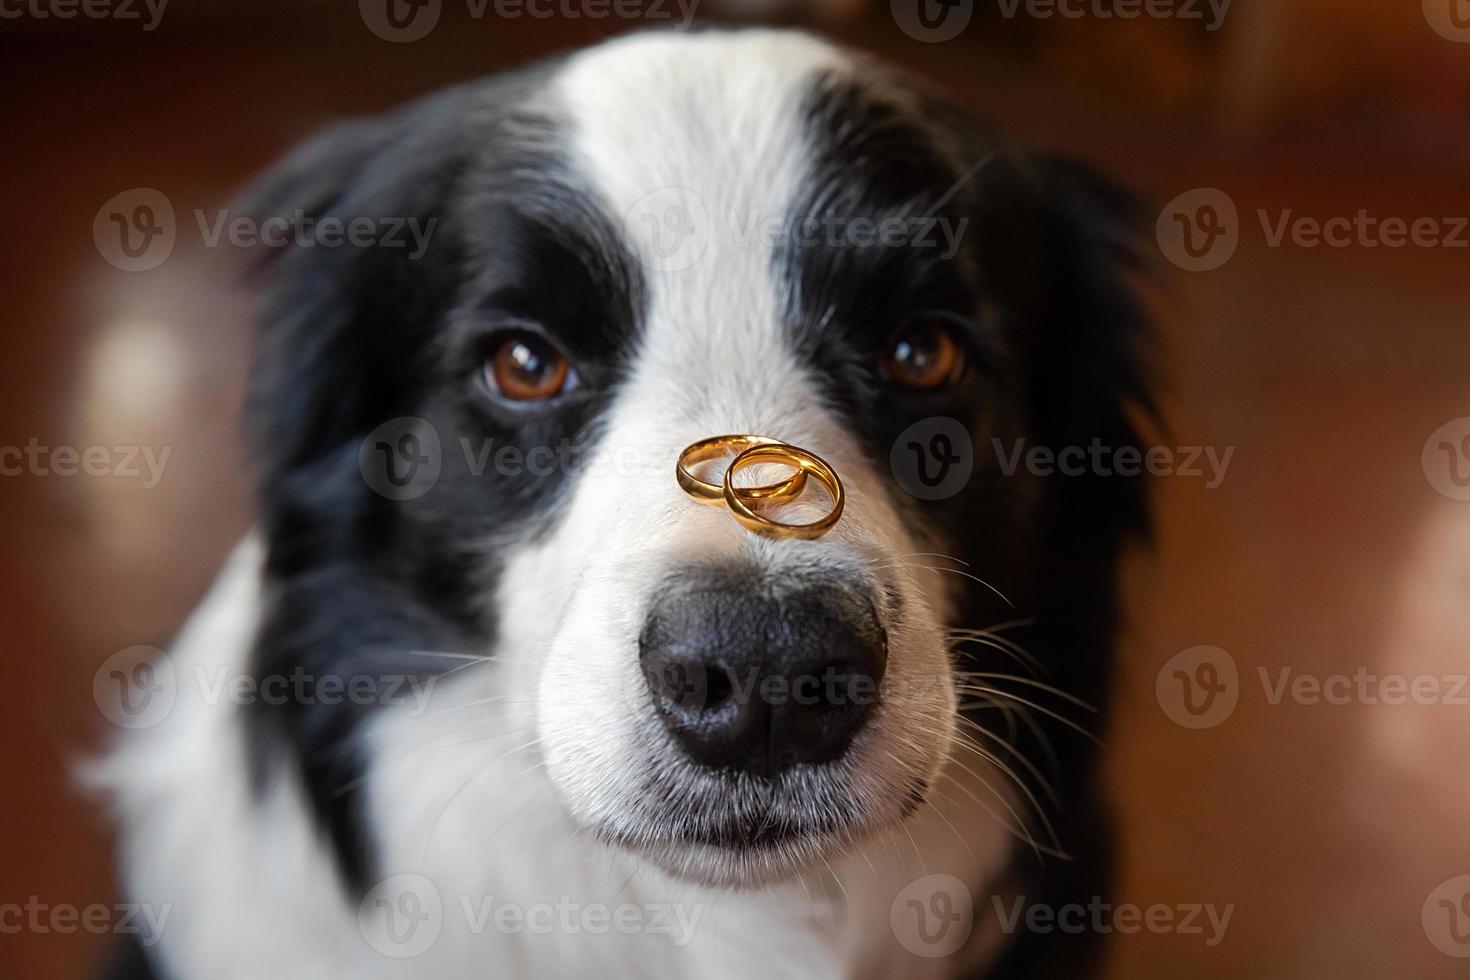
{"x": 926, "y": 356}
{"x": 526, "y": 368}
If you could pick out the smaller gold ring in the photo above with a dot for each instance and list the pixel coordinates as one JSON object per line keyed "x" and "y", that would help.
{"x": 805, "y": 462}
{"x": 711, "y": 493}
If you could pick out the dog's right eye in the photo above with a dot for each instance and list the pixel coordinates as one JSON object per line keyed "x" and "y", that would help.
{"x": 525, "y": 367}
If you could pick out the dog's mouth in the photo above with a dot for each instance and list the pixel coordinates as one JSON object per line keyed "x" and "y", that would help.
{"x": 771, "y": 831}
{"x": 734, "y": 831}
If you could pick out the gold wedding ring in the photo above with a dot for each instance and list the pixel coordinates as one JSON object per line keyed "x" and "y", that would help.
{"x": 753, "y": 450}
{"x": 806, "y": 463}
{"x": 712, "y": 493}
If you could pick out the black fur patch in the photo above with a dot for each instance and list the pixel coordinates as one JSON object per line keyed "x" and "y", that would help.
{"x": 354, "y": 337}
{"x": 1038, "y": 289}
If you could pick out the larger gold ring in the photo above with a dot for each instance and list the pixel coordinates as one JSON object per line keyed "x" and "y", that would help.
{"x": 712, "y": 493}
{"x": 805, "y": 462}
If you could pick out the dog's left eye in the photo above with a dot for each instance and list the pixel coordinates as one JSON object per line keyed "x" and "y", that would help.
{"x": 925, "y": 356}
{"x": 525, "y": 367}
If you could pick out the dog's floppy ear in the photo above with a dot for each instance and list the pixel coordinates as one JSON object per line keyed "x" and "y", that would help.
{"x": 1061, "y": 250}
{"x": 1069, "y": 252}
{"x": 344, "y": 315}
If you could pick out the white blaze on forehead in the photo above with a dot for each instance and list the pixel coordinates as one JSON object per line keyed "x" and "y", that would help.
{"x": 698, "y": 147}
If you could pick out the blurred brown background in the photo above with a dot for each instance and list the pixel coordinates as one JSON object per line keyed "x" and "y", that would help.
{"x": 1334, "y": 545}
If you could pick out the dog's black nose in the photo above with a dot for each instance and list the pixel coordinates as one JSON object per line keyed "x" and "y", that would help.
{"x": 758, "y": 683}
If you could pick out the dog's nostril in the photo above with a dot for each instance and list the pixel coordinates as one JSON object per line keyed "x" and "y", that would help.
{"x": 744, "y": 681}
{"x": 718, "y": 687}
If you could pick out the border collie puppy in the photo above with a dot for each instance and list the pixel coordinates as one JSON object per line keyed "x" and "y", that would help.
{"x": 424, "y": 723}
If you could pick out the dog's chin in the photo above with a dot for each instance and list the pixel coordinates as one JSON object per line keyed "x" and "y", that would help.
{"x": 746, "y": 854}
{"x": 740, "y": 865}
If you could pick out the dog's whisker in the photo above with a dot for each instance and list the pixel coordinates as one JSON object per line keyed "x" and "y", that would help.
{"x": 997, "y": 692}
{"x": 962, "y": 573}
{"x": 1020, "y": 783}
{"x": 1018, "y": 829}
{"x": 988, "y": 675}
{"x": 939, "y": 812}
{"x": 1020, "y": 756}
{"x": 889, "y": 559}
{"x": 993, "y": 635}
{"x": 413, "y": 719}
{"x": 1016, "y": 654}
{"x": 446, "y": 654}
{"x": 479, "y": 738}
{"x": 923, "y": 867}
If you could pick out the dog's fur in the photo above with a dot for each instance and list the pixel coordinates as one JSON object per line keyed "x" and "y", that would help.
{"x": 538, "y": 772}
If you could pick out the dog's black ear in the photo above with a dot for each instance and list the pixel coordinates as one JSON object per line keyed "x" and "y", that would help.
{"x": 1070, "y": 250}
{"x": 344, "y": 316}
{"x": 1063, "y": 251}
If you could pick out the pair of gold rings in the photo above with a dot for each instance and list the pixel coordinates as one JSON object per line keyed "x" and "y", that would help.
{"x": 742, "y": 501}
